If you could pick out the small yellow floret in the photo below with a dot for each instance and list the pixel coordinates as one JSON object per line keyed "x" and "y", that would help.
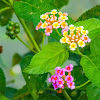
{"x": 56, "y": 25}
{"x": 64, "y": 18}
{"x": 85, "y": 32}
{"x": 80, "y": 28}
{"x": 64, "y": 24}
{"x": 81, "y": 43}
{"x": 73, "y": 46}
{"x": 54, "y": 11}
{"x": 64, "y": 40}
{"x": 43, "y": 16}
{"x": 65, "y": 33}
{"x": 44, "y": 25}
{"x": 71, "y": 27}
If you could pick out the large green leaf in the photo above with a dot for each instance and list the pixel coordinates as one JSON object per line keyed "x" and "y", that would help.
{"x": 91, "y": 67}
{"x": 90, "y": 25}
{"x": 2, "y": 82}
{"x": 60, "y": 3}
{"x": 32, "y": 9}
{"x": 34, "y": 82}
{"x": 93, "y": 92}
{"x": 95, "y": 44}
{"x": 91, "y": 13}
{"x": 6, "y": 15}
{"x": 52, "y": 55}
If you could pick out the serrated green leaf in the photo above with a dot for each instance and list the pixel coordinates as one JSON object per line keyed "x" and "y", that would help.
{"x": 31, "y": 10}
{"x": 6, "y": 15}
{"x": 52, "y": 55}
{"x": 10, "y": 92}
{"x": 2, "y": 82}
{"x": 49, "y": 97}
{"x": 95, "y": 44}
{"x": 60, "y": 3}
{"x": 90, "y": 25}
{"x": 91, "y": 67}
{"x": 91, "y": 13}
{"x": 34, "y": 82}
{"x": 93, "y": 92}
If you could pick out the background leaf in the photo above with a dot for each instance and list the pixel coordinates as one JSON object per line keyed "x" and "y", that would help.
{"x": 91, "y": 13}
{"x": 93, "y": 92}
{"x": 34, "y": 82}
{"x": 52, "y": 55}
{"x": 60, "y": 3}
{"x": 3, "y": 97}
{"x": 49, "y": 97}
{"x": 6, "y": 15}
{"x": 10, "y": 92}
{"x": 2, "y": 82}
{"x": 91, "y": 67}
{"x": 91, "y": 25}
{"x": 79, "y": 77}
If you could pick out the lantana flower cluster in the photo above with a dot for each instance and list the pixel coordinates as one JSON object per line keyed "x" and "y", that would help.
{"x": 60, "y": 80}
{"x": 52, "y": 20}
{"x": 75, "y": 36}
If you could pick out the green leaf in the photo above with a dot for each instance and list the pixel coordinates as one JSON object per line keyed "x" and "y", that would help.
{"x": 2, "y": 82}
{"x": 10, "y": 92}
{"x": 95, "y": 44}
{"x": 3, "y": 97}
{"x": 21, "y": 92}
{"x": 49, "y": 97}
{"x": 60, "y": 3}
{"x": 16, "y": 59}
{"x": 31, "y": 10}
{"x": 90, "y": 25}
{"x": 93, "y": 92}
{"x": 52, "y": 55}
{"x": 34, "y": 82}
{"x": 91, "y": 67}
{"x": 6, "y": 15}
{"x": 79, "y": 77}
{"x": 83, "y": 97}
{"x": 91, "y": 13}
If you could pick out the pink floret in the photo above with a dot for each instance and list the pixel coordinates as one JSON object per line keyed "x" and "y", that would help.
{"x": 69, "y": 68}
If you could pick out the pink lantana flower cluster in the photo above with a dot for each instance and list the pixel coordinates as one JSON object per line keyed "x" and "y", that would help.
{"x": 60, "y": 80}
{"x": 52, "y": 20}
{"x": 75, "y": 36}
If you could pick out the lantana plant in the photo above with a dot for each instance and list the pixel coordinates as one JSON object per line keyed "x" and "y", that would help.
{"x": 45, "y": 69}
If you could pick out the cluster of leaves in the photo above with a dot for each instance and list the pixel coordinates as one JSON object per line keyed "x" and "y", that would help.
{"x": 35, "y": 68}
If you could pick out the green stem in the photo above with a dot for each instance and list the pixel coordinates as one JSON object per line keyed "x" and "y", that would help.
{"x": 65, "y": 94}
{"x": 82, "y": 84}
{"x": 58, "y": 33}
{"x": 29, "y": 34}
{"x": 6, "y": 2}
{"x": 4, "y": 9}
{"x": 43, "y": 40}
{"x": 51, "y": 89}
{"x": 25, "y": 44}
